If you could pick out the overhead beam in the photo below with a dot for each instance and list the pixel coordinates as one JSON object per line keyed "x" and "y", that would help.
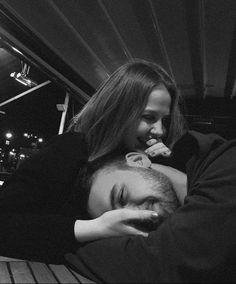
{"x": 159, "y": 35}
{"x": 25, "y": 93}
{"x": 116, "y": 31}
{"x": 77, "y": 34}
{"x": 195, "y": 15}
{"x": 230, "y": 84}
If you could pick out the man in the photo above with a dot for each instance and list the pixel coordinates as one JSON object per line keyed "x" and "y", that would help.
{"x": 131, "y": 183}
{"x": 197, "y": 243}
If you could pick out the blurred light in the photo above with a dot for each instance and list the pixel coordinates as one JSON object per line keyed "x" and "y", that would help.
{"x": 15, "y": 49}
{"x": 22, "y": 156}
{"x": 40, "y": 140}
{"x": 26, "y": 135}
{"x": 8, "y": 135}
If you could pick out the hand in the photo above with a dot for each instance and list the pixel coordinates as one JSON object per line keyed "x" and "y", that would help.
{"x": 156, "y": 148}
{"x": 115, "y": 223}
{"x": 126, "y": 221}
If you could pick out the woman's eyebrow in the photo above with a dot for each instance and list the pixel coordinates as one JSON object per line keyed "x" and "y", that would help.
{"x": 150, "y": 111}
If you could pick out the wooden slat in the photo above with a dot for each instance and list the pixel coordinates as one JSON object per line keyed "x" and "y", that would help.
{"x": 82, "y": 279}
{"x": 63, "y": 274}
{"x": 8, "y": 259}
{"x": 4, "y": 274}
{"x": 21, "y": 273}
{"x": 42, "y": 273}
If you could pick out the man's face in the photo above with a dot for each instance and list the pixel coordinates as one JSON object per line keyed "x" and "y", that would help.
{"x": 124, "y": 188}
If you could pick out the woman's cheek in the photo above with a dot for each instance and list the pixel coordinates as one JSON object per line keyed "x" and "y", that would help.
{"x": 142, "y": 128}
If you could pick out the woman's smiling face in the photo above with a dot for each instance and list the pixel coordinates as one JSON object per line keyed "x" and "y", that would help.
{"x": 151, "y": 123}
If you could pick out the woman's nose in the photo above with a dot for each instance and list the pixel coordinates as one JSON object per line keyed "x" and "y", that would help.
{"x": 157, "y": 129}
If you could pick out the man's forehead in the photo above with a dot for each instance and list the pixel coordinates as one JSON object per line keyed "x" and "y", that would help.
{"x": 131, "y": 179}
{"x": 114, "y": 173}
{"x": 109, "y": 178}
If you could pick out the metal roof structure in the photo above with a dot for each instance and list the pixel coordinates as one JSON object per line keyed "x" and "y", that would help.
{"x": 79, "y": 43}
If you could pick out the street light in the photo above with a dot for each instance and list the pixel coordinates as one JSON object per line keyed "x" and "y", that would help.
{"x": 9, "y": 135}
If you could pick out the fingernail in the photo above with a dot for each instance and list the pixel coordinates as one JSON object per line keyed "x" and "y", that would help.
{"x": 154, "y": 216}
{"x": 145, "y": 235}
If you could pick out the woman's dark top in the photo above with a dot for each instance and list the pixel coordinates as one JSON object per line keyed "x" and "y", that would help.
{"x": 37, "y": 208}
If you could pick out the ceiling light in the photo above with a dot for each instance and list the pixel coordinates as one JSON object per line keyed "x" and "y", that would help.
{"x": 22, "y": 77}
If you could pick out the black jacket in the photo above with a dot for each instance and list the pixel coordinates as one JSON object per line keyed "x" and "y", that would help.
{"x": 37, "y": 210}
{"x": 195, "y": 244}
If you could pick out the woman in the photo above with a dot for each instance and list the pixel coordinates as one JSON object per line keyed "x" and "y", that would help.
{"x": 118, "y": 106}
{"x": 137, "y": 108}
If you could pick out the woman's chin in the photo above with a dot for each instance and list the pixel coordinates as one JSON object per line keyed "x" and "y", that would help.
{"x": 140, "y": 146}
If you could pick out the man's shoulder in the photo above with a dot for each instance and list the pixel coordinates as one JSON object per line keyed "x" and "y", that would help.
{"x": 196, "y": 144}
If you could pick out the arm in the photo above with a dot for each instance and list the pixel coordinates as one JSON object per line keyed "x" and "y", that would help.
{"x": 114, "y": 223}
{"x": 34, "y": 222}
{"x": 39, "y": 214}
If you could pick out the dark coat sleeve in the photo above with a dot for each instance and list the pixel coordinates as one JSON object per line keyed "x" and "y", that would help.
{"x": 33, "y": 222}
{"x": 196, "y": 244}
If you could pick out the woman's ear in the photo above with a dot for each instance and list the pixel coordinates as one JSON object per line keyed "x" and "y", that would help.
{"x": 136, "y": 159}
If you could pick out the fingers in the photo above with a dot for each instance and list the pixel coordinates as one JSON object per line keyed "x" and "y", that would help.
{"x": 144, "y": 221}
{"x": 157, "y": 148}
{"x": 147, "y": 215}
{"x": 127, "y": 221}
{"x": 137, "y": 214}
{"x": 135, "y": 231}
{"x": 153, "y": 141}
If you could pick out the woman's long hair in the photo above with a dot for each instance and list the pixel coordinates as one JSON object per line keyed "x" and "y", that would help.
{"x": 119, "y": 103}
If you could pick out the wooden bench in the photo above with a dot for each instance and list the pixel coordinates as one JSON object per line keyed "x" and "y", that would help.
{"x": 21, "y": 271}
